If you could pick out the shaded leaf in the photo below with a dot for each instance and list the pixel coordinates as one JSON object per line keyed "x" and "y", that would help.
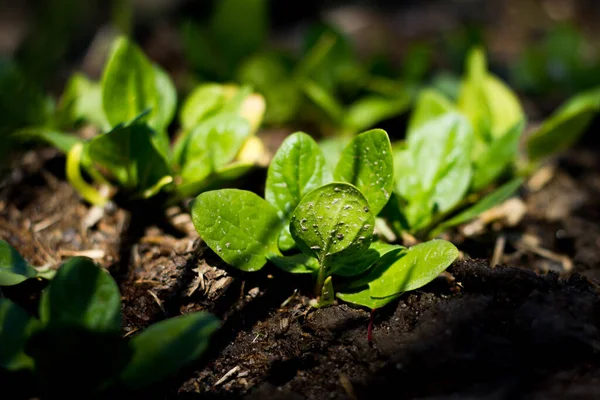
{"x": 13, "y": 267}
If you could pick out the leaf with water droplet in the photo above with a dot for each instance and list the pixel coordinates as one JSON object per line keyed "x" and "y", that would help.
{"x": 321, "y": 239}
{"x": 368, "y": 164}
{"x": 241, "y": 219}
{"x": 297, "y": 168}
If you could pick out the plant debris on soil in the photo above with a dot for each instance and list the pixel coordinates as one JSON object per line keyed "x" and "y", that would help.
{"x": 528, "y": 330}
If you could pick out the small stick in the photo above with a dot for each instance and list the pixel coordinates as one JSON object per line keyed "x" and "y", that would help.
{"x": 498, "y": 251}
{"x": 227, "y": 375}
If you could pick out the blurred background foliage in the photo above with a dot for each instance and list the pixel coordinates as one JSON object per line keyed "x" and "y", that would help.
{"x": 313, "y": 60}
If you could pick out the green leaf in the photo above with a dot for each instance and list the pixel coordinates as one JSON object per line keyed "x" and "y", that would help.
{"x": 81, "y": 101}
{"x": 434, "y": 173}
{"x": 296, "y": 264}
{"x": 489, "y": 201}
{"x": 501, "y": 153}
{"x": 367, "y": 163}
{"x": 332, "y": 148}
{"x": 131, "y": 85}
{"x": 239, "y": 27}
{"x": 204, "y": 101}
{"x": 237, "y": 225}
{"x": 369, "y": 110}
{"x": 13, "y": 268}
{"x": 212, "y": 145}
{"x": 83, "y": 296}
{"x": 60, "y": 140}
{"x": 16, "y": 327}
{"x": 130, "y": 155}
{"x": 334, "y": 224}
{"x": 167, "y": 346}
{"x": 415, "y": 268}
{"x": 324, "y": 100}
{"x": 297, "y": 168}
{"x": 366, "y": 260}
{"x": 362, "y": 297}
{"x": 429, "y": 105}
{"x": 565, "y": 126}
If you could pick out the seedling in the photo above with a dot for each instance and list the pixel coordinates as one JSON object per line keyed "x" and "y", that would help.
{"x": 331, "y": 222}
{"x": 455, "y": 151}
{"x": 79, "y": 328}
{"x": 135, "y": 103}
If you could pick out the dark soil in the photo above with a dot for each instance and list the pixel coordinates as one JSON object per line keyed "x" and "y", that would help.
{"x": 486, "y": 333}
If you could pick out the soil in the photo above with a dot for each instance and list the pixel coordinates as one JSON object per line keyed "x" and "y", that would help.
{"x": 526, "y": 331}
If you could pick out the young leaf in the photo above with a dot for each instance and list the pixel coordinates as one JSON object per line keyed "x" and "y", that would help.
{"x": 323, "y": 99}
{"x": 167, "y": 346}
{"x": 296, "y": 264}
{"x": 489, "y": 201}
{"x": 362, "y": 297}
{"x": 129, "y": 154}
{"x": 332, "y": 148}
{"x": 429, "y": 105}
{"x": 16, "y": 326}
{"x": 368, "y": 111}
{"x": 131, "y": 85}
{"x": 366, "y": 260}
{"x": 415, "y": 268}
{"x": 565, "y": 126}
{"x": 81, "y": 100}
{"x": 203, "y": 102}
{"x": 238, "y": 226}
{"x": 83, "y": 296}
{"x": 434, "y": 171}
{"x": 59, "y": 140}
{"x": 212, "y": 145}
{"x": 367, "y": 163}
{"x": 334, "y": 224}
{"x": 13, "y": 268}
{"x": 488, "y": 165}
{"x": 297, "y": 168}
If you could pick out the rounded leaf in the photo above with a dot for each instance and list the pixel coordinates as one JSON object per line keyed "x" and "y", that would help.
{"x": 237, "y": 225}
{"x": 165, "y": 347}
{"x": 16, "y": 326}
{"x": 82, "y": 295}
{"x": 333, "y": 223}
{"x": 367, "y": 163}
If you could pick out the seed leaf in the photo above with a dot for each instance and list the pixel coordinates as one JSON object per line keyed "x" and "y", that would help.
{"x": 296, "y": 264}
{"x": 82, "y": 296}
{"x": 13, "y": 267}
{"x": 297, "y": 168}
{"x": 369, "y": 110}
{"x": 367, "y": 259}
{"x": 367, "y": 163}
{"x": 334, "y": 224}
{"x": 167, "y": 346}
{"x": 237, "y": 225}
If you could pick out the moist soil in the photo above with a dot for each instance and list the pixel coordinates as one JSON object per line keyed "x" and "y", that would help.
{"x": 527, "y": 330}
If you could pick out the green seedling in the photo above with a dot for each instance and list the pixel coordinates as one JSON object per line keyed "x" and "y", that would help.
{"x": 14, "y": 269}
{"x": 134, "y": 104}
{"x": 329, "y": 217}
{"x": 456, "y": 150}
{"x": 79, "y": 328}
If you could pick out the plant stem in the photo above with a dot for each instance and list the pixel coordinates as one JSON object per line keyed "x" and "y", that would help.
{"x": 320, "y": 281}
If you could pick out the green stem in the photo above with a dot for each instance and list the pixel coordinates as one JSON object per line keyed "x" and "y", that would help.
{"x": 320, "y": 280}
{"x": 73, "y": 172}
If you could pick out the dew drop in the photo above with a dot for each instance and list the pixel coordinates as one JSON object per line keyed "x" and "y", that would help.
{"x": 315, "y": 248}
{"x": 347, "y": 207}
{"x": 336, "y": 189}
{"x": 227, "y": 244}
{"x": 367, "y": 226}
{"x": 340, "y": 236}
{"x": 366, "y": 209}
{"x": 219, "y": 249}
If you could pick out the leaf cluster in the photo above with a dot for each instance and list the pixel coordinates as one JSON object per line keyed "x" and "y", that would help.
{"x": 328, "y": 215}
{"x": 79, "y": 328}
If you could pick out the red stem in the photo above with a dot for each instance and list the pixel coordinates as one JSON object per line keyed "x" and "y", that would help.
{"x": 370, "y": 328}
